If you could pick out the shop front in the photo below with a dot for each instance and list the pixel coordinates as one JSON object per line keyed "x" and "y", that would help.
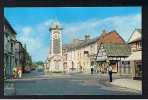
{"x": 136, "y": 64}
{"x": 138, "y": 69}
{"x": 102, "y": 65}
{"x": 114, "y": 65}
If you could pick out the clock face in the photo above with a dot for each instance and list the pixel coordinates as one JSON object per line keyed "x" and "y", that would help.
{"x": 56, "y": 35}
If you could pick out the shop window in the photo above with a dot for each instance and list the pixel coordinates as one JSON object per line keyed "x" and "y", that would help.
{"x": 126, "y": 69}
{"x": 138, "y": 69}
{"x": 114, "y": 66}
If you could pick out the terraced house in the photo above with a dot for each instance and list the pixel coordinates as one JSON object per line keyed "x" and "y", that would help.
{"x": 9, "y": 49}
{"x": 15, "y": 54}
{"x": 23, "y": 60}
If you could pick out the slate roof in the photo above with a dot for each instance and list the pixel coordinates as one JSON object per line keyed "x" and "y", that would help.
{"x": 80, "y": 44}
{"x": 83, "y": 43}
{"x": 116, "y": 50}
{"x": 87, "y": 42}
{"x": 9, "y": 26}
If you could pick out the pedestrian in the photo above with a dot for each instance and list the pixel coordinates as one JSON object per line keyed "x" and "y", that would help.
{"x": 14, "y": 73}
{"x": 95, "y": 68}
{"x": 92, "y": 69}
{"x": 20, "y": 73}
{"x": 98, "y": 69}
{"x": 110, "y": 73}
{"x": 80, "y": 68}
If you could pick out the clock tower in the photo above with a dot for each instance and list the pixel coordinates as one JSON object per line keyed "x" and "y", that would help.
{"x": 56, "y": 39}
{"x": 55, "y": 59}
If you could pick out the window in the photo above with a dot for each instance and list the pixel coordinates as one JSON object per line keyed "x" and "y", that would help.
{"x": 65, "y": 56}
{"x": 85, "y": 52}
{"x": 137, "y": 45}
{"x": 122, "y": 62}
{"x": 140, "y": 45}
{"x": 11, "y": 46}
{"x": 126, "y": 67}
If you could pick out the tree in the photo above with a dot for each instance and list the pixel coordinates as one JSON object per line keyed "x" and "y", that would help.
{"x": 39, "y": 63}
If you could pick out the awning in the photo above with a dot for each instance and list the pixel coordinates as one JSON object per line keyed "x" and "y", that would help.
{"x": 134, "y": 56}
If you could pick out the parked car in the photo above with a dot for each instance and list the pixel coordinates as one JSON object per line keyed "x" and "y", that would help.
{"x": 33, "y": 68}
{"x": 27, "y": 69}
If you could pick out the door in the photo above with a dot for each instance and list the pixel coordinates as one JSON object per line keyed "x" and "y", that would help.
{"x": 56, "y": 65}
{"x": 114, "y": 66}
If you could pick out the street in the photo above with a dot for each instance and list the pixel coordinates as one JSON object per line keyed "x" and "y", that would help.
{"x": 36, "y": 83}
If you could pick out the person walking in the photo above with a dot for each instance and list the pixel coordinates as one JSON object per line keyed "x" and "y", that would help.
{"x": 98, "y": 69}
{"x": 110, "y": 73}
{"x": 20, "y": 73}
{"x": 14, "y": 73}
{"x": 80, "y": 68}
{"x": 92, "y": 69}
{"x": 95, "y": 68}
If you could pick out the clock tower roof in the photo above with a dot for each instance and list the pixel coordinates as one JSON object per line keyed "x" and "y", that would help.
{"x": 56, "y": 25}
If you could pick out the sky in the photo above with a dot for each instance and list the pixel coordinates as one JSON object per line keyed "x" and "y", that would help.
{"x": 32, "y": 24}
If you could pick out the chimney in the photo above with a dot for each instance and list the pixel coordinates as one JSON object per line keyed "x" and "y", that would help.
{"x": 87, "y": 37}
{"x": 104, "y": 32}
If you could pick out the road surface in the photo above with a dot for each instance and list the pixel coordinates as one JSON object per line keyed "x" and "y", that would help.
{"x": 37, "y": 83}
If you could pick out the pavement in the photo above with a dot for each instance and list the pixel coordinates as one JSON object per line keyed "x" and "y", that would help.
{"x": 38, "y": 83}
{"x": 128, "y": 83}
{"x": 123, "y": 81}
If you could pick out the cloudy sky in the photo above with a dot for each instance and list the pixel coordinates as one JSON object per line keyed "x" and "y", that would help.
{"x": 32, "y": 24}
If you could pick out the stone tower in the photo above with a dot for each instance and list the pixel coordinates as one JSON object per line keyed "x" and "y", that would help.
{"x": 55, "y": 60}
{"x": 56, "y": 39}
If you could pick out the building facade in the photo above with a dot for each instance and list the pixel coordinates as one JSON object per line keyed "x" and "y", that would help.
{"x": 135, "y": 59}
{"x": 113, "y": 54}
{"x": 27, "y": 61}
{"x": 9, "y": 49}
{"x": 23, "y": 60}
{"x": 15, "y": 55}
{"x": 77, "y": 54}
